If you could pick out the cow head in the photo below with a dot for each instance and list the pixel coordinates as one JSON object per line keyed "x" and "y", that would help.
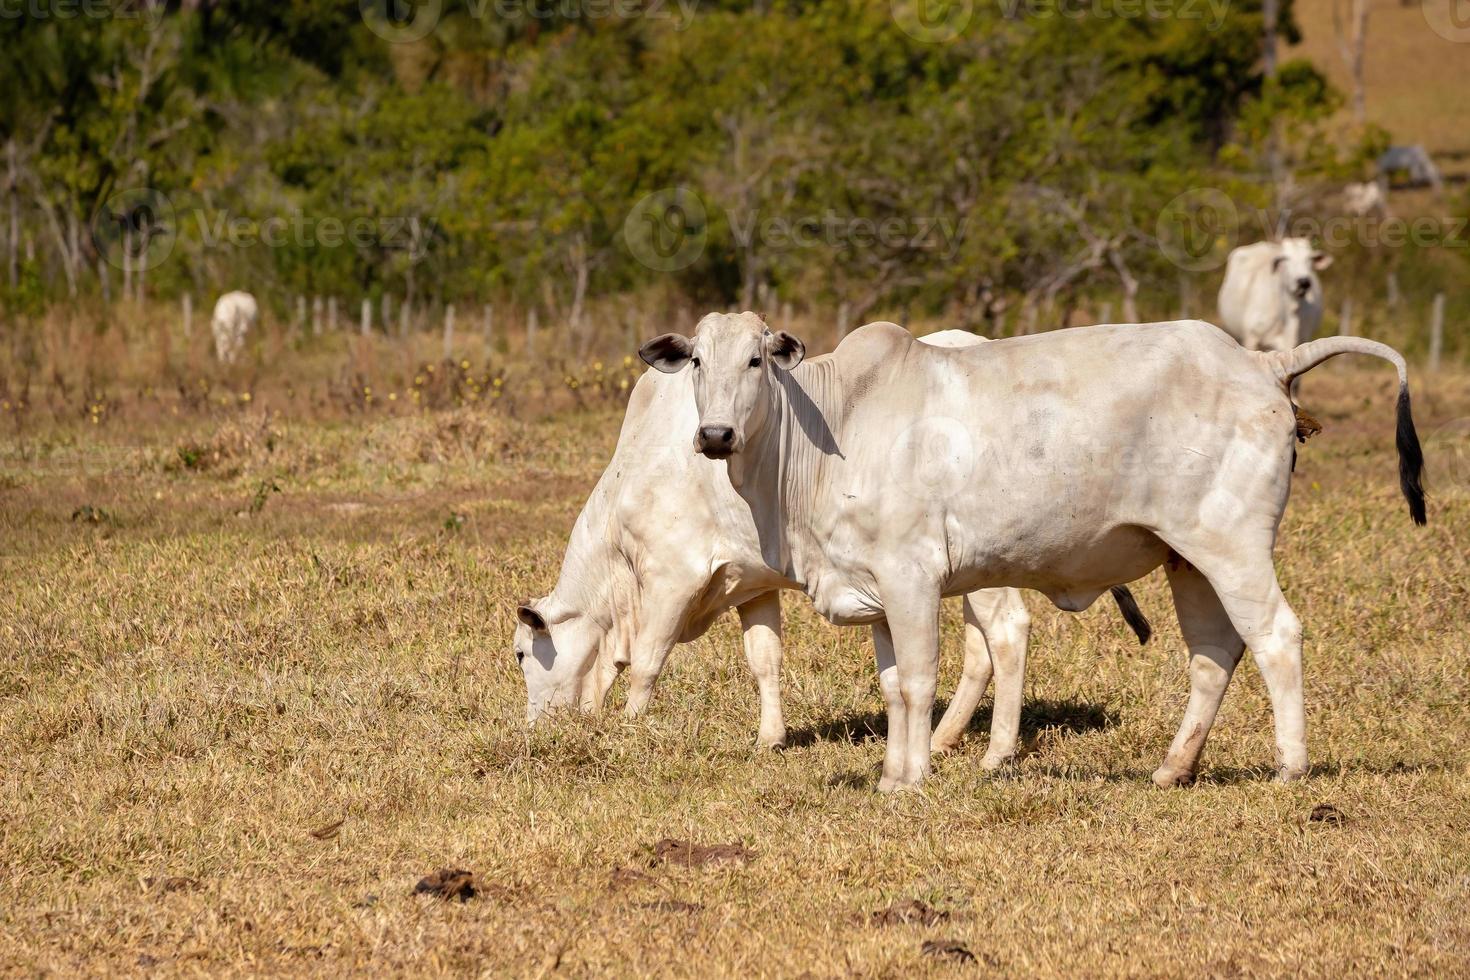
{"x": 1296, "y": 266}
{"x": 554, "y": 647}
{"x": 733, "y": 357}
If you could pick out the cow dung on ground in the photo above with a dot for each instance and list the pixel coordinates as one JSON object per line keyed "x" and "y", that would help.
{"x": 683, "y": 853}
{"x": 448, "y": 883}
{"x": 1328, "y": 814}
{"x": 948, "y": 949}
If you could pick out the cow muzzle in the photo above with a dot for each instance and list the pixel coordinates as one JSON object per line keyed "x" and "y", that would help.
{"x": 1303, "y": 287}
{"x": 715, "y": 441}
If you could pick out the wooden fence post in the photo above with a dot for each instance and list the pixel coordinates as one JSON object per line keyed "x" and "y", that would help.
{"x": 448, "y": 330}
{"x": 385, "y": 309}
{"x": 487, "y": 326}
{"x": 316, "y": 316}
{"x": 1106, "y": 313}
{"x": 1345, "y": 318}
{"x": 1393, "y": 290}
{"x": 188, "y": 315}
{"x": 405, "y": 314}
{"x": 532, "y": 323}
{"x": 843, "y": 312}
{"x": 366, "y": 326}
{"x": 332, "y": 314}
{"x": 1436, "y": 332}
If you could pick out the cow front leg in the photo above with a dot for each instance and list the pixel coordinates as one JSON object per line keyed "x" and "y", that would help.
{"x": 894, "y": 753}
{"x": 760, "y": 619}
{"x": 651, "y": 645}
{"x": 913, "y": 624}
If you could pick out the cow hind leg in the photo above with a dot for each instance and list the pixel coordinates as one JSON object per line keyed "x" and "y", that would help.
{"x": 974, "y": 679}
{"x": 1251, "y": 596}
{"x": 760, "y": 619}
{"x": 997, "y": 627}
{"x": 1214, "y": 650}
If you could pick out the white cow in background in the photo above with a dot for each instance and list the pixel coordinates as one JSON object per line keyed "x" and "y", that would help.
{"x": 1368, "y": 197}
{"x": 235, "y": 315}
{"x": 1271, "y": 298}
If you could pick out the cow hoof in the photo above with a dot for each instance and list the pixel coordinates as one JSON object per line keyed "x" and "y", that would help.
{"x": 771, "y": 744}
{"x": 1290, "y": 774}
{"x": 945, "y": 747}
{"x": 886, "y": 785}
{"x": 1166, "y": 777}
{"x": 994, "y": 760}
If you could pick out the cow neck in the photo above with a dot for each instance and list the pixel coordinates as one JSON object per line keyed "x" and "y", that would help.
{"x": 782, "y": 477}
{"x": 593, "y": 570}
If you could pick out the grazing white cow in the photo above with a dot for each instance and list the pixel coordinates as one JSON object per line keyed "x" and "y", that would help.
{"x": 891, "y": 473}
{"x": 235, "y": 315}
{"x": 664, "y": 546}
{"x": 1271, "y": 298}
{"x": 1368, "y": 197}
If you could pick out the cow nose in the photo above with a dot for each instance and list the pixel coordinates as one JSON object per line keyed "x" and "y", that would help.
{"x": 716, "y": 439}
{"x": 1303, "y": 286}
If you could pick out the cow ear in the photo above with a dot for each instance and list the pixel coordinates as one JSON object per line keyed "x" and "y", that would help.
{"x": 1321, "y": 260}
{"x": 527, "y": 614}
{"x": 786, "y": 350}
{"x": 668, "y": 353}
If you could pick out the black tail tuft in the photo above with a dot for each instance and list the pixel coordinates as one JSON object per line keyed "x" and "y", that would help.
{"x": 1132, "y": 615}
{"x": 1411, "y": 459}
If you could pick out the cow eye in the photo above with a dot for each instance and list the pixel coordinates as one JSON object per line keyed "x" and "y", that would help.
{"x": 520, "y": 656}
{"x": 755, "y": 361}
{"x": 695, "y": 362}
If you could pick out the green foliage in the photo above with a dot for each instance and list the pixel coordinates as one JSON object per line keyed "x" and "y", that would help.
{"x": 834, "y": 154}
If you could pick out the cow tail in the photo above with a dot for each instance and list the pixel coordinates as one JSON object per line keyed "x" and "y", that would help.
{"x": 1298, "y": 361}
{"x": 1132, "y": 615}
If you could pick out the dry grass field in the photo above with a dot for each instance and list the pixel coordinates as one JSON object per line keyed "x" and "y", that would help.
{"x": 256, "y": 681}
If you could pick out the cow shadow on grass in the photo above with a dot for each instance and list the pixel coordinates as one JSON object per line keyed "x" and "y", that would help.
{"x": 1067, "y": 716}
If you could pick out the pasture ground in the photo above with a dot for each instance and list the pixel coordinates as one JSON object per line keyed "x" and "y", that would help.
{"x": 225, "y": 628}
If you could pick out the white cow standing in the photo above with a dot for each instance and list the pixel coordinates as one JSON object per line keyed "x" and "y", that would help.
{"x": 1271, "y": 298}
{"x": 664, "y": 546}
{"x": 235, "y": 315}
{"x": 890, "y": 473}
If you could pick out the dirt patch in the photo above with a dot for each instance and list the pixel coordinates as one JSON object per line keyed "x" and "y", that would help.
{"x": 683, "y": 853}
{"x": 908, "y": 911}
{"x": 947, "y": 949}
{"x": 1328, "y": 814}
{"x": 448, "y": 883}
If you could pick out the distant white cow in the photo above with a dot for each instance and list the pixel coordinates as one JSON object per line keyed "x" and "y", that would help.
{"x": 1369, "y": 197}
{"x": 1414, "y": 163}
{"x": 235, "y": 314}
{"x": 1271, "y": 298}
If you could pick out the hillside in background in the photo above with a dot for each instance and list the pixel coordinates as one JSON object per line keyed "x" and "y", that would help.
{"x": 1417, "y": 82}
